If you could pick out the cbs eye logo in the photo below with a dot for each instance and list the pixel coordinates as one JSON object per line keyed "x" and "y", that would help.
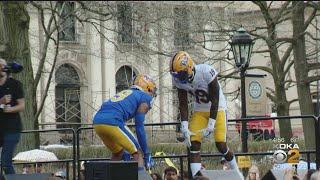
{"x": 280, "y": 156}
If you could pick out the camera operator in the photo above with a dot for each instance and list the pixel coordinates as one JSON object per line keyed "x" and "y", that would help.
{"x": 11, "y": 103}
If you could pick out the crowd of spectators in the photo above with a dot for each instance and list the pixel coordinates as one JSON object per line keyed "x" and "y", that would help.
{"x": 171, "y": 173}
{"x": 37, "y": 168}
{"x": 311, "y": 174}
{"x": 289, "y": 174}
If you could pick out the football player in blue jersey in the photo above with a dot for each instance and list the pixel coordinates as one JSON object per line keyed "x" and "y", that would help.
{"x": 110, "y": 121}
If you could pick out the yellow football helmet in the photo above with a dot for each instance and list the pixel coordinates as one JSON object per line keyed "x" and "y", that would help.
{"x": 145, "y": 83}
{"x": 182, "y": 67}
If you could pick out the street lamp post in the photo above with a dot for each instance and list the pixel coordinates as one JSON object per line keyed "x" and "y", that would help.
{"x": 241, "y": 45}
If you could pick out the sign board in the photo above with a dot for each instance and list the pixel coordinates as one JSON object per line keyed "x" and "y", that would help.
{"x": 244, "y": 161}
{"x": 256, "y": 96}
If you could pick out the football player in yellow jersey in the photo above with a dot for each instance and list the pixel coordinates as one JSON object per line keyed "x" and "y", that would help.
{"x": 209, "y": 118}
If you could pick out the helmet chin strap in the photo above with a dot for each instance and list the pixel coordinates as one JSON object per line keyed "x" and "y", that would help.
{"x": 190, "y": 79}
{"x": 137, "y": 87}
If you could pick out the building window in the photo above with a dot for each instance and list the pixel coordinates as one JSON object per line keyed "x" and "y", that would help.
{"x": 67, "y": 29}
{"x": 67, "y": 94}
{"x": 124, "y": 77}
{"x": 125, "y": 23}
{"x": 181, "y": 27}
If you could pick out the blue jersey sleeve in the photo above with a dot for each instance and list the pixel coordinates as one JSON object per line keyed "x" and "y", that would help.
{"x": 146, "y": 99}
{"x": 141, "y": 134}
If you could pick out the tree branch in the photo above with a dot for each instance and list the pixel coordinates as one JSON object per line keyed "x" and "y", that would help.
{"x": 271, "y": 90}
{"x": 43, "y": 49}
{"x": 313, "y": 78}
{"x": 281, "y": 11}
{"x": 283, "y": 19}
{"x": 91, "y": 10}
{"x": 263, "y": 68}
{"x": 264, "y": 10}
{"x": 313, "y": 66}
{"x": 287, "y": 69}
{"x": 284, "y": 39}
{"x": 292, "y": 101}
{"x": 258, "y": 35}
{"x": 313, "y": 4}
{"x": 41, "y": 9}
{"x": 289, "y": 84}
{"x": 285, "y": 56}
{"x": 230, "y": 75}
{"x": 311, "y": 36}
{"x": 43, "y": 98}
{"x": 310, "y": 18}
{"x": 261, "y": 51}
{"x": 271, "y": 97}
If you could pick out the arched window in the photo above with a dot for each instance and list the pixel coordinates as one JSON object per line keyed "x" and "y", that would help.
{"x": 67, "y": 93}
{"x": 124, "y": 77}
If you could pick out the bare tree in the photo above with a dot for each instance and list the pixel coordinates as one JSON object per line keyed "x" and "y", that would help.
{"x": 300, "y": 25}
{"x": 205, "y": 29}
{"x": 14, "y": 26}
{"x": 280, "y": 65}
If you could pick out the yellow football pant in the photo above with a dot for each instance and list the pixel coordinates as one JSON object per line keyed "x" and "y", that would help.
{"x": 199, "y": 121}
{"x": 117, "y": 138}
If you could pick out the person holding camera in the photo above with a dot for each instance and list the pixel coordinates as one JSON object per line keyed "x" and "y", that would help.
{"x": 11, "y": 103}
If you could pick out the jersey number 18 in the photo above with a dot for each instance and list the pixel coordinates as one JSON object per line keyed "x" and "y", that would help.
{"x": 201, "y": 96}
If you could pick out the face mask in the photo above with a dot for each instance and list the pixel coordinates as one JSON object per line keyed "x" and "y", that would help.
{"x": 181, "y": 76}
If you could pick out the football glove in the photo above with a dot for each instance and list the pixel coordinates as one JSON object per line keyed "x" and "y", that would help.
{"x": 126, "y": 156}
{"x": 186, "y": 132}
{"x": 209, "y": 129}
{"x": 148, "y": 161}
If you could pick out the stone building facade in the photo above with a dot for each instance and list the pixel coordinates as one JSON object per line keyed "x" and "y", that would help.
{"x": 96, "y": 59}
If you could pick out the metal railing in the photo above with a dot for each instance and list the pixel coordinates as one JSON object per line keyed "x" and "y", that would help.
{"x": 66, "y": 161}
{"x": 308, "y": 152}
{"x": 76, "y": 159}
{"x": 73, "y": 160}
